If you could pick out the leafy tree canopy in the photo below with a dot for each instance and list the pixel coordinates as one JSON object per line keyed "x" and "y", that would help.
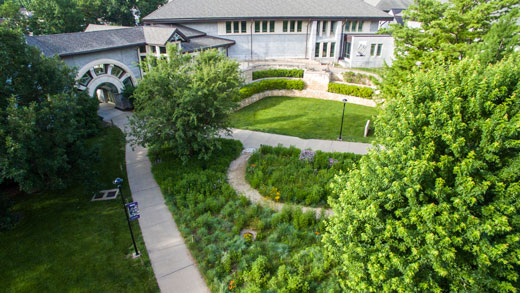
{"x": 447, "y": 33}
{"x": 63, "y": 16}
{"x": 438, "y": 208}
{"x": 44, "y": 120}
{"x": 183, "y": 101}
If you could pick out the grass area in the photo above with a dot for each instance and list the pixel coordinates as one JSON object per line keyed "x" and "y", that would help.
{"x": 287, "y": 255}
{"x": 66, "y": 243}
{"x": 305, "y": 118}
{"x": 289, "y": 175}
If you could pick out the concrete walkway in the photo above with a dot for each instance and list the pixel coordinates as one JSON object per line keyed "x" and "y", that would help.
{"x": 253, "y": 139}
{"x": 173, "y": 265}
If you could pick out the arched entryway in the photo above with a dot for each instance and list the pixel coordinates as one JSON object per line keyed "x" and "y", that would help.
{"x": 107, "y": 92}
{"x": 106, "y": 79}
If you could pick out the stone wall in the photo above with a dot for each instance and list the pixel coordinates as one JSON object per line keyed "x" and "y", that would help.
{"x": 316, "y": 94}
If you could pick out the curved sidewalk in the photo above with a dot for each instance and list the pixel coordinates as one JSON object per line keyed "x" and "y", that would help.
{"x": 173, "y": 265}
{"x": 253, "y": 139}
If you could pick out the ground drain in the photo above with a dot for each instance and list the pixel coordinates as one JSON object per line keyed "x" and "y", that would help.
{"x": 105, "y": 194}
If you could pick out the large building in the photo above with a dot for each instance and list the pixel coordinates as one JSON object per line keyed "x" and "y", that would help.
{"x": 108, "y": 58}
{"x": 327, "y": 31}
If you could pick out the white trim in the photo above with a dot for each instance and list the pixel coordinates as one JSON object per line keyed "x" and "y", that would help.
{"x": 90, "y": 65}
{"x": 105, "y": 78}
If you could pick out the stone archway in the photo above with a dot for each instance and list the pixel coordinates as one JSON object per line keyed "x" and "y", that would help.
{"x": 101, "y": 71}
{"x": 106, "y": 80}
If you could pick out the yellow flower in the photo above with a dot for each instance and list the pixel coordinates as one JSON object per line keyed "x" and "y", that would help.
{"x": 278, "y": 193}
{"x": 277, "y": 198}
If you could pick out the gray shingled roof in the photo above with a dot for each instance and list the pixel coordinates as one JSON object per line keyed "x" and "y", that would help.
{"x": 102, "y": 37}
{"x": 87, "y": 42}
{"x": 190, "y": 10}
{"x": 205, "y": 42}
{"x": 387, "y": 5}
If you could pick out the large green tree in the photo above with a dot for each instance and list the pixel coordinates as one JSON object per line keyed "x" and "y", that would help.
{"x": 183, "y": 101}
{"x": 44, "y": 120}
{"x": 437, "y": 208}
{"x": 447, "y": 32}
{"x": 64, "y": 16}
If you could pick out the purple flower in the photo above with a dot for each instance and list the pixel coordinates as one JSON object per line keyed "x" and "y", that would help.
{"x": 307, "y": 155}
{"x": 332, "y": 162}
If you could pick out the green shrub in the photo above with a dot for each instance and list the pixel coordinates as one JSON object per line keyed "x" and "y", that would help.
{"x": 351, "y": 90}
{"x": 278, "y": 73}
{"x": 270, "y": 84}
{"x": 278, "y": 171}
{"x": 358, "y": 78}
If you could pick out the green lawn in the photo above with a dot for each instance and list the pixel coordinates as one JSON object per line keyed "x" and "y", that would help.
{"x": 66, "y": 243}
{"x": 305, "y": 118}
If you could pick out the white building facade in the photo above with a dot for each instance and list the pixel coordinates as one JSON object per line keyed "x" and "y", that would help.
{"x": 344, "y": 31}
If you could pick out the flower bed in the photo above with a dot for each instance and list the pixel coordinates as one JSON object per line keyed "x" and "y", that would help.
{"x": 278, "y": 73}
{"x": 270, "y": 84}
{"x": 351, "y": 90}
{"x": 296, "y": 176}
{"x": 287, "y": 254}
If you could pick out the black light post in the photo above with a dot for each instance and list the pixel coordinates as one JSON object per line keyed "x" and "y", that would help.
{"x": 118, "y": 182}
{"x": 343, "y": 116}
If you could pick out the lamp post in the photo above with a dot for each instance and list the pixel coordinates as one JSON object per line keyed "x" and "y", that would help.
{"x": 118, "y": 182}
{"x": 342, "y": 117}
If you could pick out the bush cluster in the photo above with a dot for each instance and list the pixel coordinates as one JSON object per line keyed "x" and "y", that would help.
{"x": 351, "y": 90}
{"x": 278, "y": 73}
{"x": 270, "y": 84}
{"x": 359, "y": 78}
{"x": 287, "y": 254}
{"x": 282, "y": 175}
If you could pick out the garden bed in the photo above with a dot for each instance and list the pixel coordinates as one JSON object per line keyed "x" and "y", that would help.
{"x": 291, "y": 175}
{"x": 286, "y": 253}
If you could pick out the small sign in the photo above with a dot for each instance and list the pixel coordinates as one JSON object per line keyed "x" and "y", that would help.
{"x": 133, "y": 210}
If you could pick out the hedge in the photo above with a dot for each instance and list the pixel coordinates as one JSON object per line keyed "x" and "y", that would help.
{"x": 351, "y": 90}
{"x": 278, "y": 73}
{"x": 270, "y": 84}
{"x": 358, "y": 78}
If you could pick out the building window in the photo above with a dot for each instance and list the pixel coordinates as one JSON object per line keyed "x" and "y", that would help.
{"x": 332, "y": 49}
{"x": 317, "y": 50}
{"x": 236, "y": 25}
{"x": 324, "y": 50}
{"x": 162, "y": 50}
{"x": 244, "y": 27}
{"x": 324, "y": 26}
{"x": 379, "y": 49}
{"x": 264, "y": 26}
{"x": 348, "y": 45}
{"x": 85, "y": 79}
{"x": 373, "y": 50}
{"x": 154, "y": 50}
{"x": 142, "y": 50}
{"x": 293, "y": 26}
{"x": 99, "y": 69}
{"x": 228, "y": 27}
{"x": 300, "y": 26}
{"x": 332, "y": 25}
{"x": 318, "y": 27}
{"x": 354, "y": 26}
{"x": 257, "y": 26}
{"x": 285, "y": 26}
{"x": 271, "y": 26}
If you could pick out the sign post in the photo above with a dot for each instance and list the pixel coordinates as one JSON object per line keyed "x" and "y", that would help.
{"x": 133, "y": 210}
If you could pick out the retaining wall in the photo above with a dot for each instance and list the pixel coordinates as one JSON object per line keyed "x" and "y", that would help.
{"x": 306, "y": 94}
